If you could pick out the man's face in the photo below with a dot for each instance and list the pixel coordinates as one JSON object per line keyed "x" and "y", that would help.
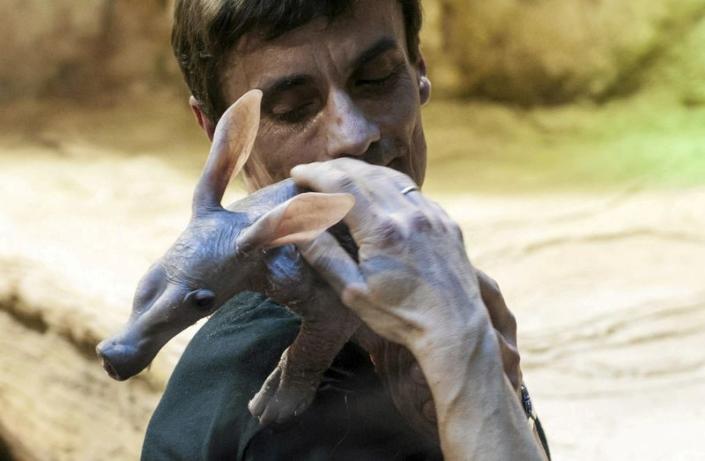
{"x": 344, "y": 88}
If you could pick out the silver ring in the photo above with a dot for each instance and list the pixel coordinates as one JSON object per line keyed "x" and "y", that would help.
{"x": 409, "y": 189}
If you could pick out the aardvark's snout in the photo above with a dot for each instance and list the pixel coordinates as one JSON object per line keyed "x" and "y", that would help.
{"x": 121, "y": 361}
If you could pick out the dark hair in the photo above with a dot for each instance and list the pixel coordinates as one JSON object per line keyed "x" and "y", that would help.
{"x": 205, "y": 31}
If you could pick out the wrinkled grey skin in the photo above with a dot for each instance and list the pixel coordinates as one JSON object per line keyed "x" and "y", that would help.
{"x": 200, "y": 272}
{"x": 211, "y": 262}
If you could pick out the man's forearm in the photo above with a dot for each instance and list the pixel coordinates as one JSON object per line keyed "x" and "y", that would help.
{"x": 479, "y": 415}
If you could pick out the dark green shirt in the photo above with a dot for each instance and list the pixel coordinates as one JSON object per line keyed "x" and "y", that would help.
{"x": 203, "y": 414}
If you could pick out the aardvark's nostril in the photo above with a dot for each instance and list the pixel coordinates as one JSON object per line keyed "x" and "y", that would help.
{"x": 107, "y": 366}
{"x": 112, "y": 372}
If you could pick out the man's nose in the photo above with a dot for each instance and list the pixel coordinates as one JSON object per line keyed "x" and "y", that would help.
{"x": 350, "y": 132}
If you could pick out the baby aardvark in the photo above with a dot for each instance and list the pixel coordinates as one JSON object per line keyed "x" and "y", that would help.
{"x": 245, "y": 247}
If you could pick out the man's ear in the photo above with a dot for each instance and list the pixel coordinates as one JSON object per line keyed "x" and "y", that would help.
{"x": 202, "y": 119}
{"x": 299, "y": 219}
{"x": 424, "y": 81}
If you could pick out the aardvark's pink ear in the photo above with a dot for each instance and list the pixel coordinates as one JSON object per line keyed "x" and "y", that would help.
{"x": 299, "y": 219}
{"x": 232, "y": 143}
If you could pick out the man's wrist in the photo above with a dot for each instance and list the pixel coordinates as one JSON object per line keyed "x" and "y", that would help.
{"x": 450, "y": 359}
{"x": 457, "y": 337}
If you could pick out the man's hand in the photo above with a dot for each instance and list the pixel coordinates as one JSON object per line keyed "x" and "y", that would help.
{"x": 415, "y": 286}
{"x": 402, "y": 374}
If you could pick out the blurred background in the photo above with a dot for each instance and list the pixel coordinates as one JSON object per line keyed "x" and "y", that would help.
{"x": 566, "y": 136}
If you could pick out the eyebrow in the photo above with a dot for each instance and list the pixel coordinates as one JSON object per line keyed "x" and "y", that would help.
{"x": 284, "y": 84}
{"x": 292, "y": 81}
{"x": 381, "y": 46}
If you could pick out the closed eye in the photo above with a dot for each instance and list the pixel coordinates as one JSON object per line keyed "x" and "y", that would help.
{"x": 379, "y": 79}
{"x": 297, "y": 114}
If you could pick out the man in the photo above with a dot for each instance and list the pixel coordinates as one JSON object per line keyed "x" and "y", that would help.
{"x": 343, "y": 82}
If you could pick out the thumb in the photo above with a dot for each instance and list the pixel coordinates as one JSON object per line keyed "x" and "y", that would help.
{"x": 332, "y": 262}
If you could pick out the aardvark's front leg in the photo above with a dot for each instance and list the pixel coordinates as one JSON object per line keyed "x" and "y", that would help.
{"x": 292, "y": 386}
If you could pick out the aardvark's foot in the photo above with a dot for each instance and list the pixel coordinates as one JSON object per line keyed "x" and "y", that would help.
{"x": 283, "y": 395}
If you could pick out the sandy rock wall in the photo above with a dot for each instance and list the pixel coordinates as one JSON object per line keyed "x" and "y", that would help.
{"x": 83, "y": 47}
{"x": 58, "y": 405}
{"x": 682, "y": 70}
{"x": 59, "y": 297}
{"x": 552, "y": 51}
{"x": 542, "y": 51}
{"x": 44, "y": 40}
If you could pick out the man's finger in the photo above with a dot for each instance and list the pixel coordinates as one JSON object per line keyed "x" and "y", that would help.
{"x": 500, "y": 315}
{"x": 385, "y": 186}
{"x": 332, "y": 262}
{"x": 510, "y": 361}
{"x": 324, "y": 177}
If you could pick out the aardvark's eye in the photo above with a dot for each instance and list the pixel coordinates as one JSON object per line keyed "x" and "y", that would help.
{"x": 201, "y": 299}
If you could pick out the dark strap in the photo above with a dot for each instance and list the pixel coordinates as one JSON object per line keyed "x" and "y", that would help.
{"x": 533, "y": 417}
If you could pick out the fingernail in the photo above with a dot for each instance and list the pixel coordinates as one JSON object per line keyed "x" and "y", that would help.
{"x": 302, "y": 168}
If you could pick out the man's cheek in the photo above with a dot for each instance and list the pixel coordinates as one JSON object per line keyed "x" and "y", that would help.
{"x": 269, "y": 162}
{"x": 276, "y": 156}
{"x": 399, "y": 115}
{"x": 257, "y": 175}
{"x": 406, "y": 94}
